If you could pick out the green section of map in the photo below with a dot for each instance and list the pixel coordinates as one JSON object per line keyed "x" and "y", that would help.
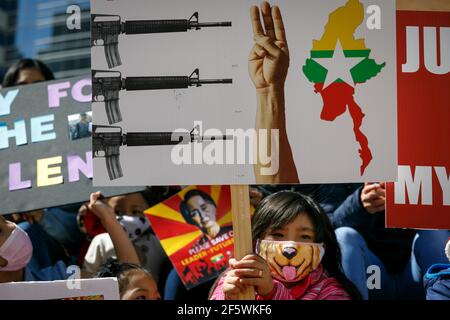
{"x": 348, "y": 53}
{"x": 341, "y": 26}
{"x": 361, "y": 73}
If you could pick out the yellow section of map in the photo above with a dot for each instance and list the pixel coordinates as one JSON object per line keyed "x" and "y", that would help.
{"x": 342, "y": 24}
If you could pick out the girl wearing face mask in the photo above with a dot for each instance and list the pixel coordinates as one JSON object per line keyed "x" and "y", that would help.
{"x": 15, "y": 251}
{"x": 298, "y": 257}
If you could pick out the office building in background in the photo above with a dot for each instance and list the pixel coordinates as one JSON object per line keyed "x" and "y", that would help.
{"x": 38, "y": 29}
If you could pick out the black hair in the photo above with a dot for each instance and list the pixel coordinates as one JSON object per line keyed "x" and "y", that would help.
{"x": 281, "y": 208}
{"x": 12, "y": 75}
{"x": 197, "y": 192}
{"x": 190, "y": 194}
{"x": 156, "y": 194}
{"x": 120, "y": 270}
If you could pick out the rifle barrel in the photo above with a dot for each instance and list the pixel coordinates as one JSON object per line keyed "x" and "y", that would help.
{"x": 167, "y": 82}
{"x": 214, "y": 138}
{"x": 211, "y": 81}
{"x": 210, "y": 24}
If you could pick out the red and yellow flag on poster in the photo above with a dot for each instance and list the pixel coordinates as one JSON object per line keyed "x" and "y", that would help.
{"x": 194, "y": 227}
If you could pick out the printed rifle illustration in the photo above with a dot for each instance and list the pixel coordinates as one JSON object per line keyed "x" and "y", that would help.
{"x": 107, "y": 140}
{"x": 107, "y": 28}
{"x": 108, "y": 87}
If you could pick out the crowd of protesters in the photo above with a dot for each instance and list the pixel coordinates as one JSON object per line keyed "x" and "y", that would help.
{"x": 112, "y": 238}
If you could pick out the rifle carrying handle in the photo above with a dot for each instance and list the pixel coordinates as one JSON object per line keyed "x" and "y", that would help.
{"x": 156, "y": 83}
{"x": 155, "y": 138}
{"x": 156, "y": 26}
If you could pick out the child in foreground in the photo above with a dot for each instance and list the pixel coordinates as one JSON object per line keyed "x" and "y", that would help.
{"x": 298, "y": 257}
{"x": 135, "y": 282}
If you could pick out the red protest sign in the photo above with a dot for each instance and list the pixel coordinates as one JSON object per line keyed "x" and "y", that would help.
{"x": 421, "y": 196}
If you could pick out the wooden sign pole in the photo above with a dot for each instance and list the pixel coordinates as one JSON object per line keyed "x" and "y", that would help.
{"x": 242, "y": 229}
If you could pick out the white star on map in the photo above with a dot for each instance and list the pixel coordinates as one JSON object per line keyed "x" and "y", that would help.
{"x": 338, "y": 66}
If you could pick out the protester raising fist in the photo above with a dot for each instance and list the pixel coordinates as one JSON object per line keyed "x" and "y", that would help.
{"x": 122, "y": 244}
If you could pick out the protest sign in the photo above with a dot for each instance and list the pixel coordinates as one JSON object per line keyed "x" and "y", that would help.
{"x": 329, "y": 109}
{"x": 80, "y": 289}
{"x": 45, "y": 145}
{"x": 194, "y": 227}
{"x": 421, "y": 196}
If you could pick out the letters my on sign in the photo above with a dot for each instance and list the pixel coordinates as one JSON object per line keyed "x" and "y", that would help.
{"x": 421, "y": 196}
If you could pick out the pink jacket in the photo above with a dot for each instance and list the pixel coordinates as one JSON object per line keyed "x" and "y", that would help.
{"x": 317, "y": 286}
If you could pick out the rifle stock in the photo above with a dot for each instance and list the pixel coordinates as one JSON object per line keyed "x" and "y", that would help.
{"x": 107, "y": 144}
{"x": 109, "y": 29}
{"x": 109, "y": 86}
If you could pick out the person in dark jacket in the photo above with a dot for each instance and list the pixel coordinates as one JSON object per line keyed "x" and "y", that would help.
{"x": 399, "y": 256}
{"x": 357, "y": 213}
{"x": 437, "y": 282}
{"x": 83, "y": 127}
{"x": 437, "y": 279}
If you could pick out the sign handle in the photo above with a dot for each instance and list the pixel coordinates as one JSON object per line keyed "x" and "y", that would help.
{"x": 242, "y": 229}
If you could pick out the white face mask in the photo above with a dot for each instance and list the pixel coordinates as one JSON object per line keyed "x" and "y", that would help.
{"x": 17, "y": 250}
{"x": 133, "y": 225}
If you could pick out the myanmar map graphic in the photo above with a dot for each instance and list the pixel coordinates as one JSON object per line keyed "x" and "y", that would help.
{"x": 339, "y": 63}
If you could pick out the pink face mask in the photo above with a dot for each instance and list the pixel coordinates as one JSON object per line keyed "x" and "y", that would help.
{"x": 290, "y": 261}
{"x": 17, "y": 250}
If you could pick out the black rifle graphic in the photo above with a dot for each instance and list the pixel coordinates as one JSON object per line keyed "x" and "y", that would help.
{"x": 110, "y": 26}
{"x": 108, "y": 87}
{"x": 107, "y": 140}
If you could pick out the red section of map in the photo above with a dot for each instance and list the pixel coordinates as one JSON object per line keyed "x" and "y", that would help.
{"x": 423, "y": 127}
{"x": 336, "y": 98}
